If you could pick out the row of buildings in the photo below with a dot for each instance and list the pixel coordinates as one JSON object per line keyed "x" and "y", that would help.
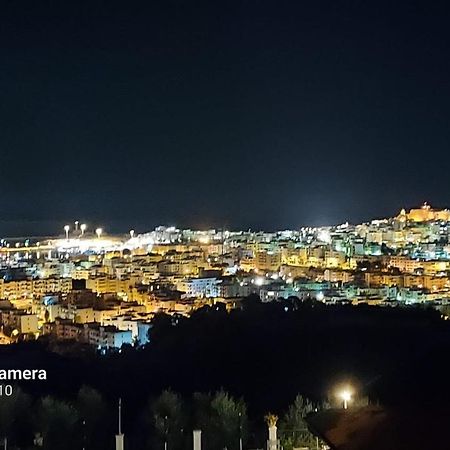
{"x": 69, "y": 288}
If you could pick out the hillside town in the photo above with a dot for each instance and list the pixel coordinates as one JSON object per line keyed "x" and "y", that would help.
{"x": 104, "y": 291}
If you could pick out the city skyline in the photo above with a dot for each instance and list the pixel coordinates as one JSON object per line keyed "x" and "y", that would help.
{"x": 104, "y": 291}
{"x": 56, "y": 227}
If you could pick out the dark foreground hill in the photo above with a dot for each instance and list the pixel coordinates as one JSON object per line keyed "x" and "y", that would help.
{"x": 264, "y": 353}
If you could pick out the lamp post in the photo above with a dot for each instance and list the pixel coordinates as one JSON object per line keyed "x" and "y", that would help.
{"x": 66, "y": 229}
{"x": 99, "y": 232}
{"x": 83, "y": 227}
{"x": 346, "y": 397}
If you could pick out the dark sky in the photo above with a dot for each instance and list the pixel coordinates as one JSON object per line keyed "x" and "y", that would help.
{"x": 263, "y": 114}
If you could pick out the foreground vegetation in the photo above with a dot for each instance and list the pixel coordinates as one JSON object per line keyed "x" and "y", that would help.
{"x": 89, "y": 422}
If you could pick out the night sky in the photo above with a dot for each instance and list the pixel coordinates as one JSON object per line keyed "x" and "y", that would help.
{"x": 262, "y": 114}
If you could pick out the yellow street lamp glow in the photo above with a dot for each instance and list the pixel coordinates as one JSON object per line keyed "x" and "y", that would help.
{"x": 346, "y": 397}
{"x": 83, "y": 227}
{"x": 99, "y": 232}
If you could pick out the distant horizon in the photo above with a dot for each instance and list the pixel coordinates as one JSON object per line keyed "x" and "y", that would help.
{"x": 32, "y": 228}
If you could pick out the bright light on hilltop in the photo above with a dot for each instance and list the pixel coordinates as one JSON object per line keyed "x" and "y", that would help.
{"x": 345, "y": 394}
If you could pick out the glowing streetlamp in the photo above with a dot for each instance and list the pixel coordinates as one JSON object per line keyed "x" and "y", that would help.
{"x": 76, "y": 225}
{"x": 346, "y": 397}
{"x": 66, "y": 229}
{"x": 131, "y": 234}
{"x": 99, "y": 232}
{"x": 83, "y": 228}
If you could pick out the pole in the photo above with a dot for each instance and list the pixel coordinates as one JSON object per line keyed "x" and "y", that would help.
{"x": 119, "y": 437}
{"x": 84, "y": 434}
{"x": 240, "y": 431}
{"x": 165, "y": 432}
{"x": 120, "y": 416}
{"x": 197, "y": 437}
{"x": 5, "y": 443}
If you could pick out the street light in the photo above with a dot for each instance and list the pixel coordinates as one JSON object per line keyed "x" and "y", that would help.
{"x": 66, "y": 229}
{"x": 99, "y": 232}
{"x": 76, "y": 225}
{"x": 346, "y": 397}
{"x": 131, "y": 234}
{"x": 83, "y": 228}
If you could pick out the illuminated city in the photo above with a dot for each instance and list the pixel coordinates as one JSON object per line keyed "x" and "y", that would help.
{"x": 104, "y": 290}
{"x": 224, "y": 225}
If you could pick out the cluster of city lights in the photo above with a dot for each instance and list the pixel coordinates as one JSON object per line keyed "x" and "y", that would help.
{"x": 82, "y": 228}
